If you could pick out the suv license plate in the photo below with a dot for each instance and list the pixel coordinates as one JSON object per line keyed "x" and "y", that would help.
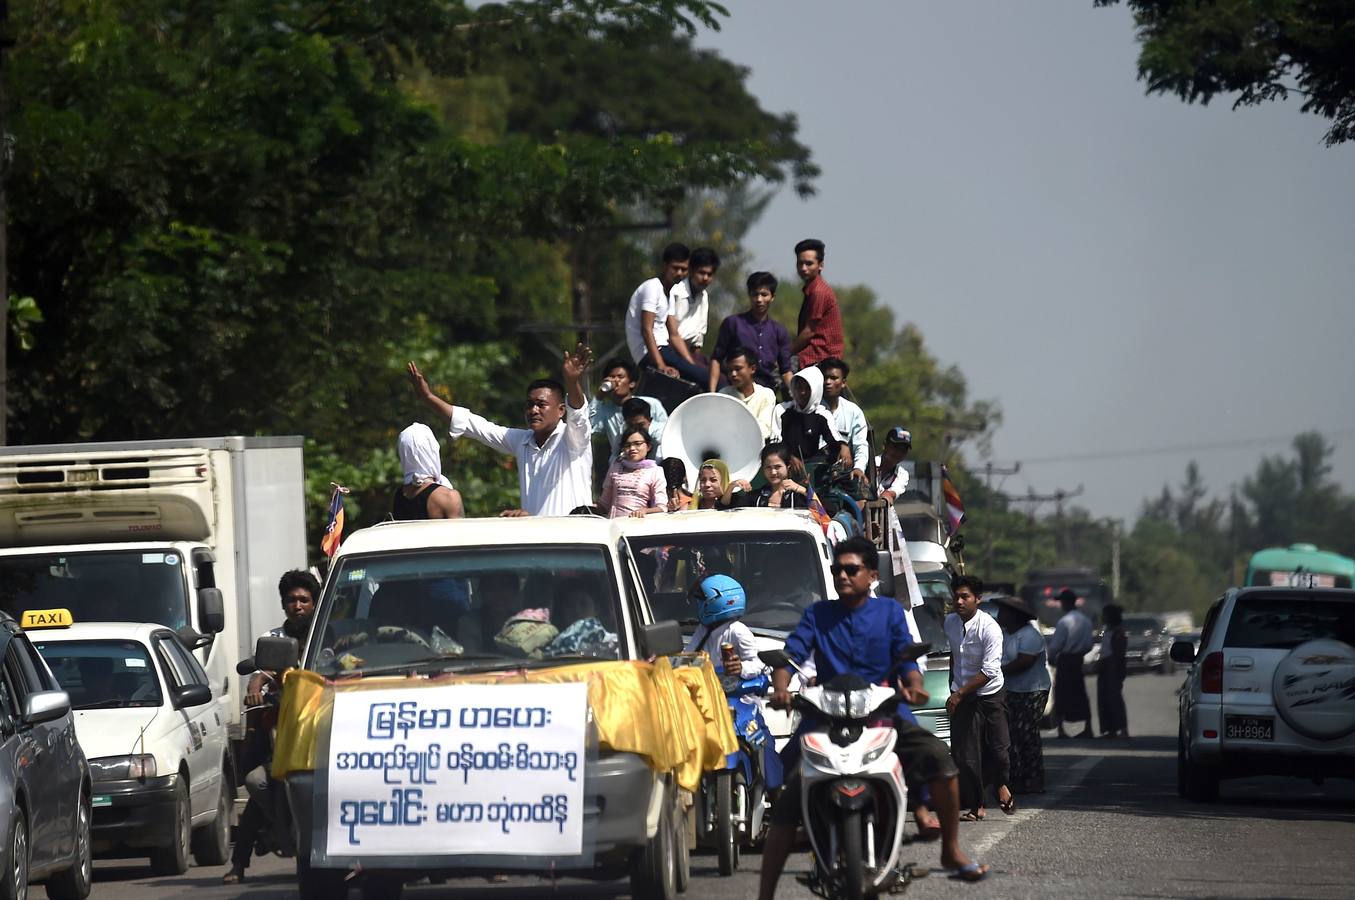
{"x": 1249, "y": 728}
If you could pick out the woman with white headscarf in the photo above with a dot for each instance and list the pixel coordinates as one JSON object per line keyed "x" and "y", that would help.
{"x": 426, "y": 493}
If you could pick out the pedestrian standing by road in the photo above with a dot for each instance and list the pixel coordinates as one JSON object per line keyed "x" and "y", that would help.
{"x": 620, "y": 376}
{"x": 1026, "y": 674}
{"x": 298, "y": 591}
{"x": 819, "y": 332}
{"x": 1110, "y": 672}
{"x": 859, "y": 634}
{"x": 1069, "y": 643}
{"x": 977, "y": 704}
{"x": 652, "y": 327}
{"x": 555, "y": 450}
{"x": 756, "y": 330}
{"x": 426, "y": 493}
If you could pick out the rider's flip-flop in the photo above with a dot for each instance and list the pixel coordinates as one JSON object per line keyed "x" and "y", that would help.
{"x": 972, "y": 872}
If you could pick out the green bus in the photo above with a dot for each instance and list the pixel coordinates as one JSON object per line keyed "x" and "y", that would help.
{"x": 1299, "y": 565}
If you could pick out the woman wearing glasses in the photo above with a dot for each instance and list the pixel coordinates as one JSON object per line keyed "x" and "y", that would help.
{"x": 635, "y": 485}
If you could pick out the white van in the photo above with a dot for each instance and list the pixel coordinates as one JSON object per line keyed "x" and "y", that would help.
{"x": 155, "y": 738}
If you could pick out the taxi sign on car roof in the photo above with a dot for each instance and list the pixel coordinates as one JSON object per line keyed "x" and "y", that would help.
{"x": 46, "y": 618}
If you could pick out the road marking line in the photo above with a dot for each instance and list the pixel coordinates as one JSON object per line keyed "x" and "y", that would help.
{"x": 1077, "y": 773}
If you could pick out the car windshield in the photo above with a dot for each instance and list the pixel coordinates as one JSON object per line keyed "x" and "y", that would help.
{"x": 455, "y": 606}
{"x": 103, "y": 674}
{"x": 1287, "y": 621}
{"x": 781, "y": 573}
{"x": 931, "y": 615}
{"x": 107, "y": 586}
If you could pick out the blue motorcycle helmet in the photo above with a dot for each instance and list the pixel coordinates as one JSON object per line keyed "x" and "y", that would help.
{"x": 719, "y": 598}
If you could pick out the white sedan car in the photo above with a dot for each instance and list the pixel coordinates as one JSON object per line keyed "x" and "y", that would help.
{"x": 155, "y": 738}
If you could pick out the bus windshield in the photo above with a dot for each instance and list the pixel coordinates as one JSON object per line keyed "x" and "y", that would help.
{"x": 99, "y": 586}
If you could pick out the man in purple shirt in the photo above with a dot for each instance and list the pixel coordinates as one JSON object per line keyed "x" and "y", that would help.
{"x": 756, "y": 330}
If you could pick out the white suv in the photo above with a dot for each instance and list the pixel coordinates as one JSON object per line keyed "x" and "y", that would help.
{"x": 1271, "y": 690}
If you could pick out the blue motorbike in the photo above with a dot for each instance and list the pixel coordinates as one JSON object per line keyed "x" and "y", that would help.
{"x": 733, "y": 799}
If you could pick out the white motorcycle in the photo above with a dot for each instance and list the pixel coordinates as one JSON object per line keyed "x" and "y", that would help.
{"x": 853, "y": 797}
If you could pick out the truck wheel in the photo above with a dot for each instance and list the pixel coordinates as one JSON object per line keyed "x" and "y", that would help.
{"x": 682, "y": 875}
{"x": 173, "y": 860}
{"x": 74, "y": 883}
{"x": 727, "y": 842}
{"x": 653, "y": 873}
{"x": 853, "y": 874}
{"x": 382, "y": 886}
{"x": 319, "y": 884}
{"x": 212, "y": 842}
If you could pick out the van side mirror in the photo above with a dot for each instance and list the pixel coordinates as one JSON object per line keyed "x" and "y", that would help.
{"x": 662, "y": 638}
{"x": 276, "y": 654}
{"x": 188, "y": 695}
{"x": 44, "y": 706}
{"x": 211, "y": 610}
{"x": 1182, "y": 652}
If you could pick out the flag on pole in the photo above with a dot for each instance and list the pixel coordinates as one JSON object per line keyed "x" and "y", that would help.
{"x": 954, "y": 505}
{"x": 333, "y": 535}
{"x": 817, "y": 511}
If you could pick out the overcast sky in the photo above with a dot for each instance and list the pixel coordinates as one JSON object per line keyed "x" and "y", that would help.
{"x": 1122, "y": 273}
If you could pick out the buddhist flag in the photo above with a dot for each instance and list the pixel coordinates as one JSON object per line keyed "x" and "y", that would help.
{"x": 333, "y": 535}
{"x": 817, "y": 511}
{"x": 954, "y": 505}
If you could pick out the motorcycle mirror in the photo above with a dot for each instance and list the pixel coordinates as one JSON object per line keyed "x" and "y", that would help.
{"x": 776, "y": 657}
{"x": 914, "y": 652}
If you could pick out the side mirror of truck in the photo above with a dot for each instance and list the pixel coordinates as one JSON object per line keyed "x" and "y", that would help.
{"x": 211, "y": 610}
{"x": 661, "y": 638}
{"x": 1182, "y": 652}
{"x": 189, "y": 695}
{"x": 276, "y": 654}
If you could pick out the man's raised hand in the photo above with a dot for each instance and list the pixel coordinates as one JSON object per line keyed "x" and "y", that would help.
{"x": 425, "y": 393}
{"x": 577, "y": 363}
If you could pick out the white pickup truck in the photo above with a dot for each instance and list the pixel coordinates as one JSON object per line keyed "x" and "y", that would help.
{"x": 430, "y": 746}
{"x": 178, "y": 533}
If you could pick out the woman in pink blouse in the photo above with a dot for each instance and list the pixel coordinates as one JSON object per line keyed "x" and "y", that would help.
{"x": 634, "y": 485}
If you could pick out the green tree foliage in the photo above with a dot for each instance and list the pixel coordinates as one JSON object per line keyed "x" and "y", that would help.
{"x": 246, "y": 217}
{"x": 1258, "y": 49}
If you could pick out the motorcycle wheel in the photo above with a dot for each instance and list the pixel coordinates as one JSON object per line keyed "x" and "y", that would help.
{"x": 852, "y": 860}
{"x": 727, "y": 840}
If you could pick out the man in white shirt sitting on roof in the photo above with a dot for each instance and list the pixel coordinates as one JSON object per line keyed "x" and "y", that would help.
{"x": 555, "y": 450}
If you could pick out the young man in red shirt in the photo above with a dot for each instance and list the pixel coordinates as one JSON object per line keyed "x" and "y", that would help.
{"x": 820, "y": 326}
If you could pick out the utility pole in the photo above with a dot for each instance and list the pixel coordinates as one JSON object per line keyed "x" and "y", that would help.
{"x": 1034, "y": 501}
{"x": 1115, "y": 560}
{"x": 989, "y": 470}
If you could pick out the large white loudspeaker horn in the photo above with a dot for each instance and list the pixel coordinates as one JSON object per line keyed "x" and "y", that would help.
{"x": 713, "y": 426}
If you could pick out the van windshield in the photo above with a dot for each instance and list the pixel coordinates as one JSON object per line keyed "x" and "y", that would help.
{"x": 101, "y": 586}
{"x": 473, "y": 604}
{"x": 103, "y": 674}
{"x": 782, "y": 574}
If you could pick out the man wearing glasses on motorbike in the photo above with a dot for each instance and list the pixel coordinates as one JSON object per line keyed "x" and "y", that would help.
{"x": 866, "y": 636}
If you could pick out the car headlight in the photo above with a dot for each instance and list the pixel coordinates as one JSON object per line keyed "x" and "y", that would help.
{"x": 138, "y": 766}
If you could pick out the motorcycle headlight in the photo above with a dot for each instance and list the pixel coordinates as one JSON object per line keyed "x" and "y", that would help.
{"x": 819, "y": 759}
{"x": 872, "y": 755}
{"x": 138, "y": 766}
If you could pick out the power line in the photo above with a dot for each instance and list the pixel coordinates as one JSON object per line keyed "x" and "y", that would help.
{"x": 1179, "y": 448}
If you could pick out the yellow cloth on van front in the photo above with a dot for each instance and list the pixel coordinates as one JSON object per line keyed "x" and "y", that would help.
{"x": 677, "y": 719}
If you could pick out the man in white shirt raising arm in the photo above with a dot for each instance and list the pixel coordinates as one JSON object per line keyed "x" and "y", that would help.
{"x": 555, "y": 450}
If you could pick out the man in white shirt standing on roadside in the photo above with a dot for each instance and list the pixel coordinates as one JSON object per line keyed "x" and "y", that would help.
{"x": 555, "y": 450}
{"x": 1070, "y": 642}
{"x": 977, "y": 704}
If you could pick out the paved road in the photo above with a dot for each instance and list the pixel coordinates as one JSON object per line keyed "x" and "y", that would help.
{"x": 1110, "y": 826}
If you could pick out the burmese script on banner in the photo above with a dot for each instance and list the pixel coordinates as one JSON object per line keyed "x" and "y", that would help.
{"x": 473, "y": 769}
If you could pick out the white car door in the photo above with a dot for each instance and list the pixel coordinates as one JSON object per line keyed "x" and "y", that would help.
{"x": 201, "y": 749}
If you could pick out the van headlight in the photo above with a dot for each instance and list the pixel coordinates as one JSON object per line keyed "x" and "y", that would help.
{"x": 138, "y": 766}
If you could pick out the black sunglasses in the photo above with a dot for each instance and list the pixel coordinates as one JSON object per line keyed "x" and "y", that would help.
{"x": 850, "y": 568}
